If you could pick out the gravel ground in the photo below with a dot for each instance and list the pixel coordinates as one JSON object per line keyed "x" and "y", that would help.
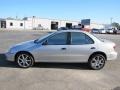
{"x": 55, "y": 76}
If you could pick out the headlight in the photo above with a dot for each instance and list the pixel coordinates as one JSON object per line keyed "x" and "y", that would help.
{"x": 11, "y": 50}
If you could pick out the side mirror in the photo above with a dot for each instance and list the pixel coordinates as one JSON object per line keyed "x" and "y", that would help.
{"x": 45, "y": 43}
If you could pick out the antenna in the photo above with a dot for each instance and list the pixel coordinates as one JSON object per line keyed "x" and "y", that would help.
{"x": 16, "y": 16}
{"x": 111, "y": 20}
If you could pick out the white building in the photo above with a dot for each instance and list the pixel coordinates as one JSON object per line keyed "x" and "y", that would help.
{"x": 11, "y": 24}
{"x": 36, "y": 23}
{"x": 42, "y": 24}
{"x": 95, "y": 26}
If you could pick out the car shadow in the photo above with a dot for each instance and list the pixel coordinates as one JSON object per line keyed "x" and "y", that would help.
{"x": 81, "y": 66}
{"x": 5, "y": 63}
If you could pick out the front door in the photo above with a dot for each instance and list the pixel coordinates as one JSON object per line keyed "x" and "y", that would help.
{"x": 54, "y": 48}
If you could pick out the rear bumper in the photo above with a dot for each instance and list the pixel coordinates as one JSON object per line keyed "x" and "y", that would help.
{"x": 112, "y": 56}
{"x": 10, "y": 56}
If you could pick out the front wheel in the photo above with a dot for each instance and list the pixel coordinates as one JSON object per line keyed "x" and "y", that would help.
{"x": 97, "y": 61}
{"x": 24, "y": 60}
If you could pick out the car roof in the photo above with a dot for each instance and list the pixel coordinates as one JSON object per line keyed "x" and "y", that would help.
{"x": 70, "y": 30}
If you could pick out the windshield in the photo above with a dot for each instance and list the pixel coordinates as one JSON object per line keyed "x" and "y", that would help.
{"x": 43, "y": 37}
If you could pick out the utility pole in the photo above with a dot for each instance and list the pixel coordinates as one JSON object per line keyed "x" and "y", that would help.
{"x": 24, "y": 24}
{"x": 111, "y": 20}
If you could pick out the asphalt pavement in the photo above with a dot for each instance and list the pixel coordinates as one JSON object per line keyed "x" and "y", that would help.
{"x": 55, "y": 76}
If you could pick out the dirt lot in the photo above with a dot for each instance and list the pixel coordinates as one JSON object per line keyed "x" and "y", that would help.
{"x": 50, "y": 76}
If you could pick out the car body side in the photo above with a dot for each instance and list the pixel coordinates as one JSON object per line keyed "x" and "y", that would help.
{"x": 38, "y": 51}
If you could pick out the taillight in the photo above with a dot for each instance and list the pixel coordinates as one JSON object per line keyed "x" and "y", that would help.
{"x": 114, "y": 46}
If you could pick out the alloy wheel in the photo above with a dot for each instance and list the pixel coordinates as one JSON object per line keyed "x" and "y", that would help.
{"x": 97, "y": 62}
{"x": 24, "y": 60}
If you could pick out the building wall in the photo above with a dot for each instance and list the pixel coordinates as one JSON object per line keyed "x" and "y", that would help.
{"x": 95, "y": 25}
{"x": 46, "y": 23}
{"x": 28, "y": 24}
{"x": 16, "y": 24}
{"x": 63, "y": 23}
{"x": 98, "y": 26}
{"x": 34, "y": 22}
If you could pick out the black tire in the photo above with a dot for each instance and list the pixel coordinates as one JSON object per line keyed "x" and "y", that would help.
{"x": 95, "y": 63}
{"x": 27, "y": 62}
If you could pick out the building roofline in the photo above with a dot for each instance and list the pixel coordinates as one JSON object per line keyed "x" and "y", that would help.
{"x": 56, "y": 19}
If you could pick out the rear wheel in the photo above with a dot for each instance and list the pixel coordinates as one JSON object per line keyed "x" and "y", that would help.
{"x": 97, "y": 61}
{"x": 24, "y": 60}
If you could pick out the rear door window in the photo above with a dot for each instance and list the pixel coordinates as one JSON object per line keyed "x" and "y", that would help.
{"x": 78, "y": 38}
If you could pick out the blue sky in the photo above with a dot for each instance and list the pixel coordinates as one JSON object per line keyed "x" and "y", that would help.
{"x": 98, "y": 10}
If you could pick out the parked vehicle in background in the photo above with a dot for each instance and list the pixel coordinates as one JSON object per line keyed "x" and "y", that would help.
{"x": 115, "y": 31}
{"x": 86, "y": 29}
{"x": 118, "y": 31}
{"x": 38, "y": 28}
{"x": 109, "y": 31}
{"x": 62, "y": 28}
{"x": 95, "y": 31}
{"x": 77, "y": 27}
{"x": 102, "y": 31}
{"x": 65, "y": 46}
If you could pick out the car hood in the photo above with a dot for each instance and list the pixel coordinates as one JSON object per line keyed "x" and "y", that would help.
{"x": 28, "y": 45}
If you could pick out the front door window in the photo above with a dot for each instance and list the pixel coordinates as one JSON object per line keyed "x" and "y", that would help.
{"x": 58, "y": 39}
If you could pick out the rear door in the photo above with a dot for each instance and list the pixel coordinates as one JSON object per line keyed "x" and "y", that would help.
{"x": 80, "y": 48}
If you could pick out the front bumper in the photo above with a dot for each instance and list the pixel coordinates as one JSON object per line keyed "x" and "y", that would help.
{"x": 112, "y": 56}
{"x": 10, "y": 56}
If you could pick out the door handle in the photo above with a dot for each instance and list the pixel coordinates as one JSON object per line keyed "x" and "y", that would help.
{"x": 63, "y": 48}
{"x": 92, "y": 48}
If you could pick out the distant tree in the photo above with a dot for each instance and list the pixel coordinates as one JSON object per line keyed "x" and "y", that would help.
{"x": 116, "y": 25}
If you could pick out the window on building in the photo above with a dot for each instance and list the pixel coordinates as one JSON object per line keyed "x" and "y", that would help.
{"x": 11, "y": 24}
{"x": 21, "y": 24}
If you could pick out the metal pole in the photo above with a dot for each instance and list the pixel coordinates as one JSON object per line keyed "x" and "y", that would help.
{"x": 24, "y": 24}
{"x": 32, "y": 22}
{"x": 111, "y": 20}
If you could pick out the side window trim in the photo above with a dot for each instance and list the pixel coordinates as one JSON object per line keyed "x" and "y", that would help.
{"x": 56, "y": 34}
{"x": 68, "y": 38}
{"x": 90, "y": 38}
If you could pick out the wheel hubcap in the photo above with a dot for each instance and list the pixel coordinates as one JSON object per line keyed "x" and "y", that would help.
{"x": 24, "y": 60}
{"x": 98, "y": 62}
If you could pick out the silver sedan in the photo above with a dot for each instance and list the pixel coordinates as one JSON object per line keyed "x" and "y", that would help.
{"x": 68, "y": 46}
